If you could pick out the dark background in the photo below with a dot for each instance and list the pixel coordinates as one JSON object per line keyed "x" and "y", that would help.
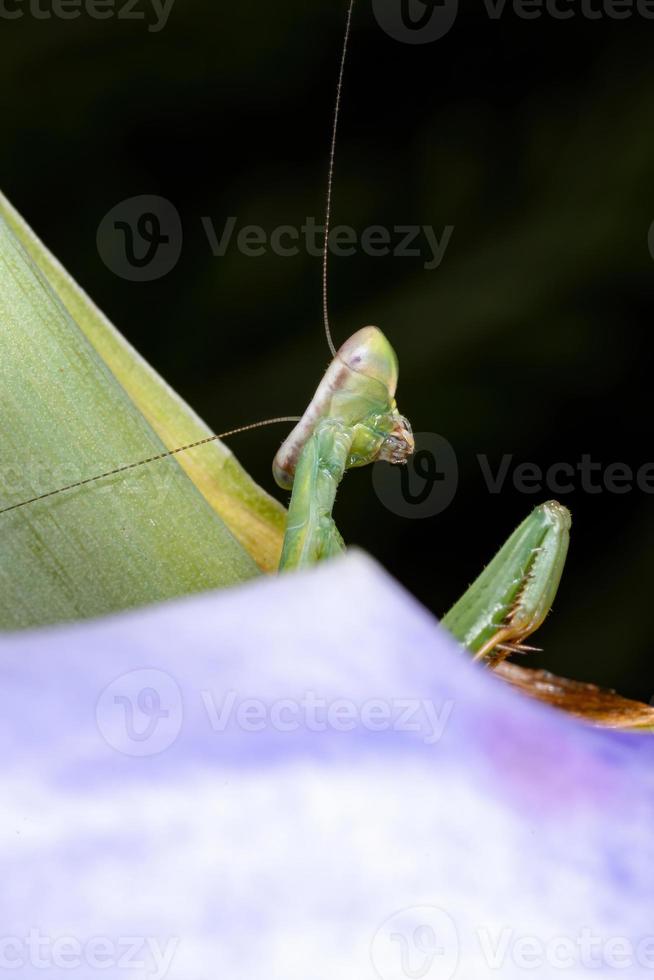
{"x": 533, "y": 138}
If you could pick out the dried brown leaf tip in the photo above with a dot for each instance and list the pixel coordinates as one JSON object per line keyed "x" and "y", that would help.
{"x": 595, "y": 705}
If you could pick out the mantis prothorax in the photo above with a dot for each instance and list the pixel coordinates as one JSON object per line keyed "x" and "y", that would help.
{"x": 353, "y": 420}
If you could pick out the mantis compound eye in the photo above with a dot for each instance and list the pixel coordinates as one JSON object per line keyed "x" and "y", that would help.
{"x": 399, "y": 443}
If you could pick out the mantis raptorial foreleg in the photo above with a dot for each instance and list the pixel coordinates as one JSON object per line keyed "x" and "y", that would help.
{"x": 353, "y": 420}
{"x": 515, "y": 592}
{"x": 311, "y": 533}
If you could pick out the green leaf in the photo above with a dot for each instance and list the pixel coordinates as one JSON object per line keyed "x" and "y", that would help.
{"x": 254, "y": 517}
{"x": 75, "y": 401}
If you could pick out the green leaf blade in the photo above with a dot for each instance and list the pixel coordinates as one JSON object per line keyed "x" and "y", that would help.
{"x": 254, "y": 517}
{"x": 132, "y": 539}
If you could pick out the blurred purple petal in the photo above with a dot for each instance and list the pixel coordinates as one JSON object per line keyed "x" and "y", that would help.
{"x": 305, "y": 778}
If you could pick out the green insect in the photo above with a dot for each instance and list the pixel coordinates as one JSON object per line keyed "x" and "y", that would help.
{"x": 352, "y": 421}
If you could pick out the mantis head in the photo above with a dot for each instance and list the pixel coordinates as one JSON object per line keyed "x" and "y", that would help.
{"x": 357, "y": 392}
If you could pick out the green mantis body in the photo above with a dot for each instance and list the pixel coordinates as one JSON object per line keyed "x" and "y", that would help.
{"x": 515, "y": 592}
{"x": 353, "y": 420}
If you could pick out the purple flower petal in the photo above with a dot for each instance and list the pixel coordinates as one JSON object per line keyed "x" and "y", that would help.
{"x": 305, "y": 778}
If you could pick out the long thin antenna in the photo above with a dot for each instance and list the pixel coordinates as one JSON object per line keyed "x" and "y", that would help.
{"x": 150, "y": 459}
{"x": 330, "y": 179}
{"x": 325, "y": 303}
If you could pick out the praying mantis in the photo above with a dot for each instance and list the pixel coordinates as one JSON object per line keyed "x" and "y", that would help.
{"x": 352, "y": 421}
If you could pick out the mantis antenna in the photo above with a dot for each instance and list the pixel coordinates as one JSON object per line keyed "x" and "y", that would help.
{"x": 330, "y": 179}
{"x": 150, "y": 459}
{"x": 325, "y": 300}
